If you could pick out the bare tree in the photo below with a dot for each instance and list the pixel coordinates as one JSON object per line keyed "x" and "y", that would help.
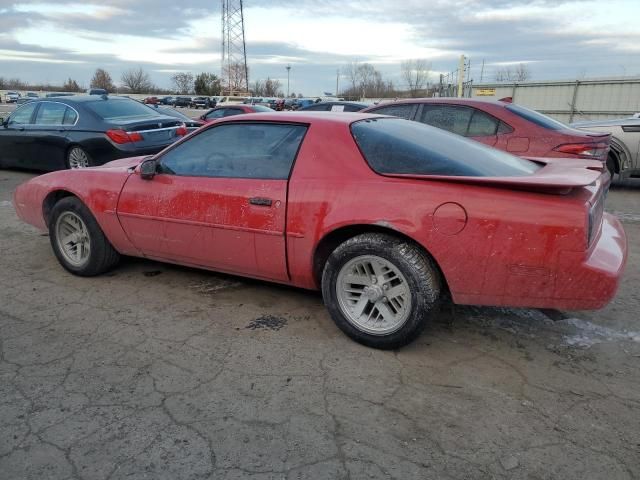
{"x": 366, "y": 82}
{"x": 415, "y": 73}
{"x": 272, "y": 88}
{"x": 102, "y": 79}
{"x": 183, "y": 81}
{"x": 71, "y": 86}
{"x": 351, "y": 72}
{"x": 522, "y": 73}
{"x": 257, "y": 88}
{"x": 507, "y": 74}
{"x": 137, "y": 80}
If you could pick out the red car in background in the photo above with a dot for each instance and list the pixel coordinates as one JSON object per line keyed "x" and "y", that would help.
{"x": 383, "y": 215}
{"x": 151, "y": 101}
{"x": 503, "y": 125}
{"x": 230, "y": 110}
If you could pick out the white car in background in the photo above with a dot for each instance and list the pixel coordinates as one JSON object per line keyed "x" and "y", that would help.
{"x": 624, "y": 153}
{"x": 11, "y": 97}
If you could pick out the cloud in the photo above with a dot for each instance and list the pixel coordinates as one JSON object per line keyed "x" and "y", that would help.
{"x": 557, "y": 38}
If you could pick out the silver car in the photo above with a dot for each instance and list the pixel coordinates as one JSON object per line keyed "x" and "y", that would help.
{"x": 624, "y": 155}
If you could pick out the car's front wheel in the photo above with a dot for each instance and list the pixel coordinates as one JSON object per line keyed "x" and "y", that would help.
{"x": 380, "y": 289}
{"x": 77, "y": 157}
{"x": 78, "y": 241}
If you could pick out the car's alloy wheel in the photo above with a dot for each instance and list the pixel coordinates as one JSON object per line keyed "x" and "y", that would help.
{"x": 77, "y": 158}
{"x": 78, "y": 241}
{"x": 373, "y": 294}
{"x": 380, "y": 289}
{"x": 72, "y": 237}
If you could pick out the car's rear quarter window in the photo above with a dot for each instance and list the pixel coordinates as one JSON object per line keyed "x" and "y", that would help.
{"x": 396, "y": 146}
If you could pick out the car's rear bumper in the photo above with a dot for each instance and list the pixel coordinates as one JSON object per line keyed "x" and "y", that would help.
{"x": 592, "y": 282}
{"x": 583, "y": 281}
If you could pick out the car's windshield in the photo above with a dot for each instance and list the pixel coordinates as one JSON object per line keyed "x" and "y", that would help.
{"x": 400, "y": 146}
{"x": 120, "y": 109}
{"x": 536, "y": 117}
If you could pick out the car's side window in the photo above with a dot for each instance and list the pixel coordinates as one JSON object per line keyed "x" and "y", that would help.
{"x": 237, "y": 150}
{"x": 70, "y": 117}
{"x": 51, "y": 113}
{"x": 402, "y": 111}
{"x": 22, "y": 116}
{"x": 482, "y": 124}
{"x": 233, "y": 111}
{"x": 316, "y": 108}
{"x": 219, "y": 113}
{"x": 451, "y": 118}
{"x": 352, "y": 108}
{"x": 504, "y": 128}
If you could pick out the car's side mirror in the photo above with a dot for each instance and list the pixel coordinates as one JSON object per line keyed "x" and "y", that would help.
{"x": 148, "y": 169}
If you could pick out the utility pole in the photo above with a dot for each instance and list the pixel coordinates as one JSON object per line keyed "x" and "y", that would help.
{"x": 288, "y": 70}
{"x": 337, "y": 82}
{"x": 482, "y": 71}
{"x": 460, "y": 76}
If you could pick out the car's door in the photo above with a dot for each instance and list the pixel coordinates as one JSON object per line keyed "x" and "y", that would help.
{"x": 15, "y": 145}
{"x": 49, "y": 133}
{"x": 218, "y": 201}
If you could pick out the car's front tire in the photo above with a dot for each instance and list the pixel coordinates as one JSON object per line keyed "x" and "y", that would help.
{"x": 78, "y": 241}
{"x": 380, "y": 289}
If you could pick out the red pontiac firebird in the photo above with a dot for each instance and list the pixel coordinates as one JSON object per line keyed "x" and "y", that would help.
{"x": 383, "y": 215}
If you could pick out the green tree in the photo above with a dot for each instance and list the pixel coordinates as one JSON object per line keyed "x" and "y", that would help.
{"x": 207, "y": 84}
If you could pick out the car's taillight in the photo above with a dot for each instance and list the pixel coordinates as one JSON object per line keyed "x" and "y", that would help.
{"x": 595, "y": 217}
{"x": 120, "y": 136}
{"x": 181, "y": 131}
{"x": 586, "y": 150}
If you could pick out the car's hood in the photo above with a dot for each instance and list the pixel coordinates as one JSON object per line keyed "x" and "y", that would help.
{"x": 557, "y": 175}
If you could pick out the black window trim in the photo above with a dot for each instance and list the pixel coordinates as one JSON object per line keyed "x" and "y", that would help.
{"x": 158, "y": 156}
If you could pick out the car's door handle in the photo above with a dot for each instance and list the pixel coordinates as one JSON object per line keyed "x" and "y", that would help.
{"x": 265, "y": 202}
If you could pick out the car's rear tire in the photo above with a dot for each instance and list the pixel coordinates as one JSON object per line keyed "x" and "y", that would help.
{"x": 77, "y": 157}
{"x": 78, "y": 241}
{"x": 379, "y": 289}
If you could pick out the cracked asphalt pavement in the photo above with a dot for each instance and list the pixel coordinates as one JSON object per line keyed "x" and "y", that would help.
{"x": 161, "y": 372}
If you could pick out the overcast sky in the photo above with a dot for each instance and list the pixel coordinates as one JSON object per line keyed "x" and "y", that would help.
{"x": 49, "y": 41}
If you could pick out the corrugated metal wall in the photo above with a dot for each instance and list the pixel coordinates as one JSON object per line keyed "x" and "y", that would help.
{"x": 570, "y": 101}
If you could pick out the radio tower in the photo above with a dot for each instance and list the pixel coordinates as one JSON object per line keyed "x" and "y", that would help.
{"x": 234, "y": 53}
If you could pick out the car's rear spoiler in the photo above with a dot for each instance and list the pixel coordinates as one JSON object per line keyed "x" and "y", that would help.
{"x": 557, "y": 175}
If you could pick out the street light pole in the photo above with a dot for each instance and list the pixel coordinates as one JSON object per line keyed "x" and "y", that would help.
{"x": 288, "y": 69}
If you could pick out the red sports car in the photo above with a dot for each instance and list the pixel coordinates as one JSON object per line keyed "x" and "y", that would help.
{"x": 230, "y": 110}
{"x": 503, "y": 125}
{"x": 383, "y": 215}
